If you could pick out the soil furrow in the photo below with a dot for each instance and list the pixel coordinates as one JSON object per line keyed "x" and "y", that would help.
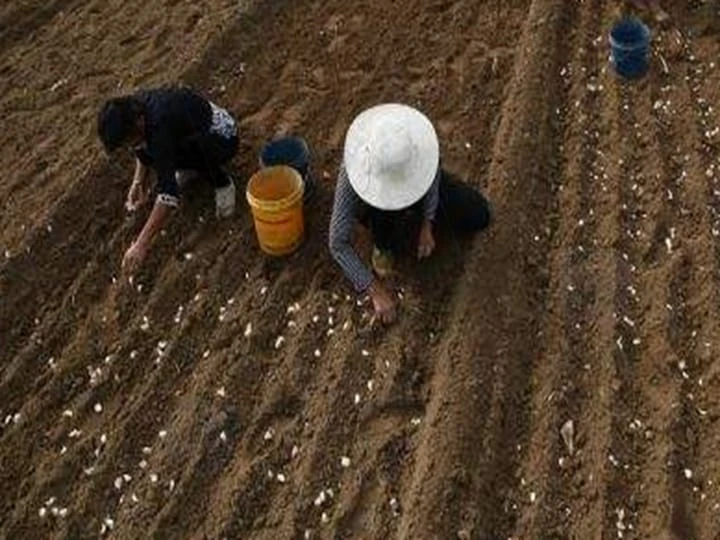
{"x": 599, "y": 288}
{"x": 627, "y": 458}
{"x": 593, "y": 372}
{"x": 152, "y": 390}
{"x": 691, "y": 295}
{"x": 479, "y": 457}
{"x": 21, "y": 21}
{"x": 561, "y": 393}
{"x": 659, "y": 210}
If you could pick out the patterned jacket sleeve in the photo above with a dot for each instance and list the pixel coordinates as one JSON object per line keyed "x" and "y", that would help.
{"x": 432, "y": 198}
{"x": 344, "y": 212}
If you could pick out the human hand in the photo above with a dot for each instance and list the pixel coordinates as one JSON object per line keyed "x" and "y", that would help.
{"x": 383, "y": 302}
{"x": 426, "y": 242}
{"x": 137, "y": 196}
{"x": 134, "y": 257}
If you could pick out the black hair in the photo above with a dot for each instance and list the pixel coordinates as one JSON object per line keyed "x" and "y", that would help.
{"x": 117, "y": 120}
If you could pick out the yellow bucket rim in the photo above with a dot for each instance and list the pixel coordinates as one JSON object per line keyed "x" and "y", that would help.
{"x": 280, "y": 204}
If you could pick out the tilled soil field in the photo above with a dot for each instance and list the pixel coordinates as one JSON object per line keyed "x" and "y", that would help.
{"x": 555, "y": 377}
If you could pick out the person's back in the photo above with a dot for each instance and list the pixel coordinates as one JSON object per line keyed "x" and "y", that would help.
{"x": 180, "y": 135}
{"x": 179, "y": 110}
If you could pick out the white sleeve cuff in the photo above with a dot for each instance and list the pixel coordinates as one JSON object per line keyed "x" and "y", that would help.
{"x": 168, "y": 200}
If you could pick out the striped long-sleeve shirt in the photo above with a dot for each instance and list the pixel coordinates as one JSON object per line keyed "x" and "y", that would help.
{"x": 346, "y": 206}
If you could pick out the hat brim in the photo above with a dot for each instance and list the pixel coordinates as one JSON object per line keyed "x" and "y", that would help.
{"x": 379, "y": 189}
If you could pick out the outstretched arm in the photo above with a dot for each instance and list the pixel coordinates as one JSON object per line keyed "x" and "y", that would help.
{"x": 426, "y": 241}
{"x": 136, "y": 254}
{"x": 167, "y": 200}
{"x": 341, "y": 224}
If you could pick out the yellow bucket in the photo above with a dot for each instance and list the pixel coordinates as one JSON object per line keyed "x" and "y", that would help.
{"x": 275, "y": 195}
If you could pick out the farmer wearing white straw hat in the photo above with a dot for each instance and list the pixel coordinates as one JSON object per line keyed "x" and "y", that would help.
{"x": 391, "y": 169}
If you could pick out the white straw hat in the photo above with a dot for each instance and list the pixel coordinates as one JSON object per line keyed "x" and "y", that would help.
{"x": 391, "y": 155}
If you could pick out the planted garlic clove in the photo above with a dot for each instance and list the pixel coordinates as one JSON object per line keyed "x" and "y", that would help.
{"x": 568, "y": 434}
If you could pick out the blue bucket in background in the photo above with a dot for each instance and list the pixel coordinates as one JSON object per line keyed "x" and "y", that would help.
{"x": 292, "y": 151}
{"x": 630, "y": 46}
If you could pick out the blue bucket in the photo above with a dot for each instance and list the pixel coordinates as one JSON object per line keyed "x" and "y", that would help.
{"x": 292, "y": 151}
{"x": 630, "y": 45}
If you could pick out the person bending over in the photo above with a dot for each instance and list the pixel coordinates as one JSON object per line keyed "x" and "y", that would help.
{"x": 179, "y": 135}
{"x": 391, "y": 171}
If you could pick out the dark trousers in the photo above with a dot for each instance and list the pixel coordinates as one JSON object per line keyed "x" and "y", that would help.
{"x": 206, "y": 154}
{"x": 461, "y": 210}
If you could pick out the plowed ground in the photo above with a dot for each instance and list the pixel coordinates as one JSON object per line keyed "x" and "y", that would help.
{"x": 592, "y": 298}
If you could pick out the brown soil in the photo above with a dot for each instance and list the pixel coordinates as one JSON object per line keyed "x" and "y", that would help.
{"x": 593, "y": 298}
